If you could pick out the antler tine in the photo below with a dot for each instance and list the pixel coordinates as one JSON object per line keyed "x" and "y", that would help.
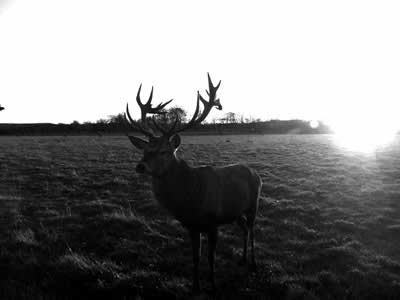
{"x": 160, "y": 107}
{"x": 138, "y": 96}
{"x": 146, "y": 108}
{"x": 194, "y": 117}
{"x": 208, "y": 105}
{"x": 151, "y": 96}
{"x": 210, "y": 84}
{"x": 207, "y": 108}
{"x": 132, "y": 124}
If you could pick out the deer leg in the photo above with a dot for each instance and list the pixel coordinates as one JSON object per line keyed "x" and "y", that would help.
{"x": 196, "y": 248}
{"x": 253, "y": 257}
{"x": 212, "y": 236}
{"x": 242, "y": 223}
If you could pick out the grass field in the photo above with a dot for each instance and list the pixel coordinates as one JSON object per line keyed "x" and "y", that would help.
{"x": 78, "y": 222}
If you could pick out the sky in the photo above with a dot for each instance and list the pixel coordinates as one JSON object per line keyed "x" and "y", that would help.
{"x": 335, "y": 61}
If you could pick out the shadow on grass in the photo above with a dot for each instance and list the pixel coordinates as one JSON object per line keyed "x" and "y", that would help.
{"x": 115, "y": 253}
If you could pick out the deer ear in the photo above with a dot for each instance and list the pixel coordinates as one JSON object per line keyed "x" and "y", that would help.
{"x": 175, "y": 140}
{"x": 138, "y": 143}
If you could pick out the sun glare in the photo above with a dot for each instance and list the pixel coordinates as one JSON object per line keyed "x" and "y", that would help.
{"x": 314, "y": 124}
{"x": 363, "y": 135}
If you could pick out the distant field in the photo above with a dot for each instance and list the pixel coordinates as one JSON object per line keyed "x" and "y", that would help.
{"x": 77, "y": 221}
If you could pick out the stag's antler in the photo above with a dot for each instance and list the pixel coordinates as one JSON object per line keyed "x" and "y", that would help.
{"x": 196, "y": 119}
{"x": 212, "y": 94}
{"x": 145, "y": 109}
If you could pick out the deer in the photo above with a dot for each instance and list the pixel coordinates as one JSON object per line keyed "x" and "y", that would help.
{"x": 201, "y": 198}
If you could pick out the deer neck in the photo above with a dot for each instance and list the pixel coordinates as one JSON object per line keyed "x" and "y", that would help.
{"x": 176, "y": 190}
{"x": 172, "y": 178}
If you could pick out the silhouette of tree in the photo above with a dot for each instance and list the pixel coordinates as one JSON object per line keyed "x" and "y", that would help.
{"x": 168, "y": 116}
{"x": 116, "y": 119}
{"x": 177, "y": 111}
{"x": 229, "y": 117}
{"x": 102, "y": 121}
{"x": 75, "y": 125}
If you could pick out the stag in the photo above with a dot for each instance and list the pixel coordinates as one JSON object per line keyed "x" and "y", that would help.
{"x": 200, "y": 198}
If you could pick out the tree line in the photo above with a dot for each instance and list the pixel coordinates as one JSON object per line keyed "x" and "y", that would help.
{"x": 230, "y": 123}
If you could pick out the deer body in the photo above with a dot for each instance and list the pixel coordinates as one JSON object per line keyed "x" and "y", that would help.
{"x": 207, "y": 196}
{"x": 201, "y": 198}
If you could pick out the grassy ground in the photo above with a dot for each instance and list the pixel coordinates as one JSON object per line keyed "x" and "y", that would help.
{"x": 77, "y": 222}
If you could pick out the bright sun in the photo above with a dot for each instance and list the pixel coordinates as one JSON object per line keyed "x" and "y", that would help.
{"x": 363, "y": 133}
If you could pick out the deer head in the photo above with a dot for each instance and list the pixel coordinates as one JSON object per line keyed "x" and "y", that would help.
{"x": 160, "y": 151}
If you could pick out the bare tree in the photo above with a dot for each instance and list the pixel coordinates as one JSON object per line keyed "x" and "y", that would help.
{"x": 229, "y": 117}
{"x": 177, "y": 111}
{"x": 168, "y": 116}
